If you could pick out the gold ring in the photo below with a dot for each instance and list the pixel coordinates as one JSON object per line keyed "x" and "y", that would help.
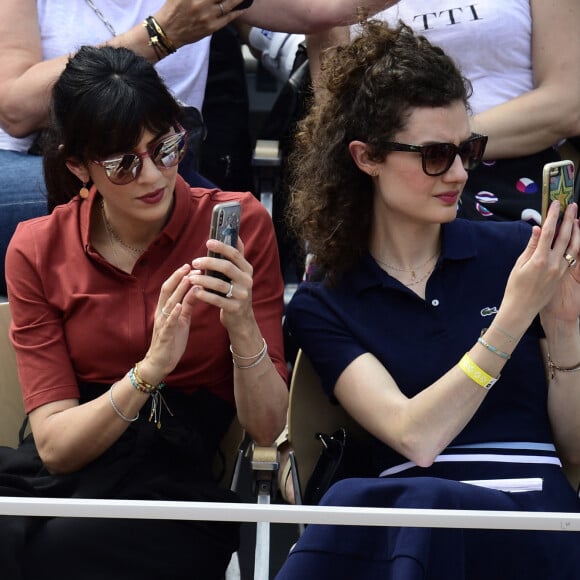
{"x": 221, "y": 5}
{"x": 163, "y": 311}
{"x": 230, "y": 292}
{"x": 570, "y": 259}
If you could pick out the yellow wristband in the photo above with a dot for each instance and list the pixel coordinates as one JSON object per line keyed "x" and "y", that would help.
{"x": 475, "y": 373}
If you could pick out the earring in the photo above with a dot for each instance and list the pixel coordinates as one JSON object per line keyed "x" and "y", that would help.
{"x": 84, "y": 192}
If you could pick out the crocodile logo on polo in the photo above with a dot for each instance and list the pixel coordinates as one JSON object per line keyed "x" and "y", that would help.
{"x": 488, "y": 311}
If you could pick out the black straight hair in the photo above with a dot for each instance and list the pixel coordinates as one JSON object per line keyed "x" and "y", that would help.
{"x": 101, "y": 104}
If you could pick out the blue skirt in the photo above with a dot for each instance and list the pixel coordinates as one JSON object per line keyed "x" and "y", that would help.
{"x": 394, "y": 553}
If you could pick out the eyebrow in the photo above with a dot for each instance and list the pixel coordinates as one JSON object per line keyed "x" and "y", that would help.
{"x": 435, "y": 142}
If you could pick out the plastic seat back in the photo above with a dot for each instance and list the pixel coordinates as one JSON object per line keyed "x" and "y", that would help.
{"x": 311, "y": 412}
{"x": 11, "y": 407}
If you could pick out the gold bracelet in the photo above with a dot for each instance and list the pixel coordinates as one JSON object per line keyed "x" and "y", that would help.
{"x": 154, "y": 44}
{"x": 155, "y": 41}
{"x": 140, "y": 384}
{"x": 554, "y": 367}
{"x": 163, "y": 38}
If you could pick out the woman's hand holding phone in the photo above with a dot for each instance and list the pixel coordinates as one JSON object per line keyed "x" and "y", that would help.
{"x": 564, "y": 305}
{"x": 232, "y": 295}
{"x": 557, "y": 185}
{"x": 225, "y": 228}
{"x": 539, "y": 271}
{"x": 224, "y": 277}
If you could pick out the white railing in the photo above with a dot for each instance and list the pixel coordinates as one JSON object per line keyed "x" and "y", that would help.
{"x": 249, "y": 512}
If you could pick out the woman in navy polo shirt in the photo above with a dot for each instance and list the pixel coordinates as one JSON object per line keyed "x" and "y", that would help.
{"x": 419, "y": 314}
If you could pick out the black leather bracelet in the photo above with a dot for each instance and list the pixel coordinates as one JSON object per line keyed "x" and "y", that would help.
{"x": 154, "y": 29}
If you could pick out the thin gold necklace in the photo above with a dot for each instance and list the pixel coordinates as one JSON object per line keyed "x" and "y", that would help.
{"x": 110, "y": 238}
{"x": 416, "y": 281}
{"x": 412, "y": 270}
{"x": 113, "y": 235}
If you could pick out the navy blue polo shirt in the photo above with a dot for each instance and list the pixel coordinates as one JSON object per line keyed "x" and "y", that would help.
{"x": 418, "y": 340}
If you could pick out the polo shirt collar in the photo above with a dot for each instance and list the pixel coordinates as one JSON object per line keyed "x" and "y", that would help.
{"x": 459, "y": 243}
{"x": 173, "y": 228}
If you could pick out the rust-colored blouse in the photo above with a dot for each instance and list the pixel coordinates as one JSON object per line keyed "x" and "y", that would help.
{"x": 78, "y": 318}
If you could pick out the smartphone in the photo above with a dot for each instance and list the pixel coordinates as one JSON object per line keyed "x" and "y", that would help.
{"x": 225, "y": 227}
{"x": 243, "y": 5}
{"x": 557, "y": 184}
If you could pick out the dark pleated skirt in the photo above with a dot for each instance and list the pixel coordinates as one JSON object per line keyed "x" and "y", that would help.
{"x": 396, "y": 553}
{"x": 146, "y": 463}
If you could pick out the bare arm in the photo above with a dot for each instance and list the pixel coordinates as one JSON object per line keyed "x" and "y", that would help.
{"x": 560, "y": 322}
{"x": 261, "y": 393}
{"x": 551, "y": 111}
{"x": 563, "y": 394}
{"x": 69, "y": 436}
{"x": 26, "y": 80}
{"x": 422, "y": 426}
{"x": 317, "y": 43}
{"x": 307, "y": 16}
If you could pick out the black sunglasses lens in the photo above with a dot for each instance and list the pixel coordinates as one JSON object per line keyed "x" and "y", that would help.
{"x": 472, "y": 151}
{"x": 438, "y": 158}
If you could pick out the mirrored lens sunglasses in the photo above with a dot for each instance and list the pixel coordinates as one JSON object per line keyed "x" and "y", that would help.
{"x": 437, "y": 158}
{"x": 125, "y": 168}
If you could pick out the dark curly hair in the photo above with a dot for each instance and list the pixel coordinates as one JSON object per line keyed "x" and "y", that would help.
{"x": 369, "y": 88}
{"x": 100, "y": 105}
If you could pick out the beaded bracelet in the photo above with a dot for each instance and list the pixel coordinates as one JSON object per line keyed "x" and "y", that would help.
{"x": 476, "y": 373}
{"x": 118, "y": 411}
{"x": 554, "y": 367}
{"x": 493, "y": 349}
{"x": 141, "y": 385}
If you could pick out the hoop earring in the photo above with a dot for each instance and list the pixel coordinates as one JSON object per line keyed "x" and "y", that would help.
{"x": 84, "y": 192}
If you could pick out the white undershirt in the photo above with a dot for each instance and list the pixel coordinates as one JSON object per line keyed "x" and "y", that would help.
{"x": 66, "y": 25}
{"x": 490, "y": 40}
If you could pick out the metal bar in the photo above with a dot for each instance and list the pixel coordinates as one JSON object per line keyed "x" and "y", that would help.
{"x": 262, "y": 552}
{"x": 249, "y": 512}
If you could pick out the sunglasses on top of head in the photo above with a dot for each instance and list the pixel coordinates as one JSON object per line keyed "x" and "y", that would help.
{"x": 126, "y": 167}
{"x": 437, "y": 158}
